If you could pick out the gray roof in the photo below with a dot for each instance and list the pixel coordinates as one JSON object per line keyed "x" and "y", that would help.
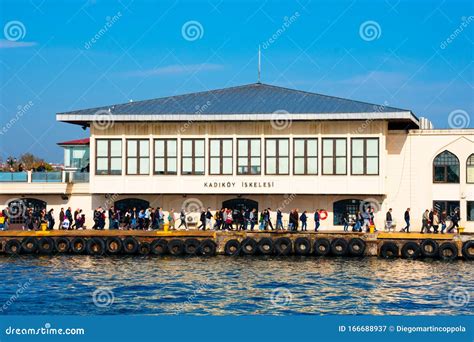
{"x": 254, "y": 98}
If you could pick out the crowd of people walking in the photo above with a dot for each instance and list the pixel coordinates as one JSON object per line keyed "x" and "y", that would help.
{"x": 433, "y": 221}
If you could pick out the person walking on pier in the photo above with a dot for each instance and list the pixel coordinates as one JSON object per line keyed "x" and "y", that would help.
{"x": 62, "y": 215}
{"x": 279, "y": 221}
{"x": 269, "y": 216}
{"x": 69, "y": 215}
{"x": 253, "y": 218}
{"x": 303, "y": 219}
{"x": 455, "y": 218}
{"x": 182, "y": 218}
{"x": 246, "y": 218}
{"x": 345, "y": 220}
{"x": 208, "y": 218}
{"x": 425, "y": 221}
{"x": 435, "y": 222}
{"x": 407, "y": 221}
{"x": 317, "y": 219}
{"x": 50, "y": 219}
{"x": 443, "y": 217}
{"x": 171, "y": 220}
{"x": 202, "y": 218}
{"x": 388, "y": 220}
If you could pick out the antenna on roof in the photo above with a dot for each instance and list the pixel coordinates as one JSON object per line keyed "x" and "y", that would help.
{"x": 259, "y": 63}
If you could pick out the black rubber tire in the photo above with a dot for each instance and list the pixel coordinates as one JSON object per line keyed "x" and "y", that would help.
{"x": 130, "y": 245}
{"x": 302, "y": 246}
{"x": 207, "y": 248}
{"x": 283, "y": 246}
{"x": 339, "y": 247}
{"x": 62, "y": 245}
{"x": 411, "y": 250}
{"x": 78, "y": 245}
{"x": 144, "y": 248}
{"x": 159, "y": 247}
{"x": 356, "y": 247}
{"x": 265, "y": 246}
{"x": 429, "y": 248}
{"x": 113, "y": 245}
{"x": 448, "y": 251}
{"x": 191, "y": 246}
{"x": 176, "y": 247}
{"x": 232, "y": 247}
{"x": 322, "y": 247}
{"x": 249, "y": 246}
{"x": 95, "y": 246}
{"x": 389, "y": 250}
{"x": 29, "y": 245}
{"x": 13, "y": 247}
{"x": 468, "y": 250}
{"x": 46, "y": 245}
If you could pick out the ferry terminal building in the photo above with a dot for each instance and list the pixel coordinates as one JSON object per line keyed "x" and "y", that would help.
{"x": 258, "y": 146}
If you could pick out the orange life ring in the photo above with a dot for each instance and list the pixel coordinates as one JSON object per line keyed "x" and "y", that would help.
{"x": 323, "y": 214}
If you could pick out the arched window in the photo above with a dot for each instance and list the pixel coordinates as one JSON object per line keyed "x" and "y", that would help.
{"x": 470, "y": 169}
{"x": 130, "y": 203}
{"x": 446, "y": 168}
{"x": 237, "y": 204}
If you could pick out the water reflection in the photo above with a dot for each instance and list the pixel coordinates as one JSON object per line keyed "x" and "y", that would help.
{"x": 224, "y": 285}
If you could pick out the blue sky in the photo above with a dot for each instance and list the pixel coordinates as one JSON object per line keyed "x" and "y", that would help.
{"x": 393, "y": 52}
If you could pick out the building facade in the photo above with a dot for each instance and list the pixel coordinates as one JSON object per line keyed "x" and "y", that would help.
{"x": 261, "y": 146}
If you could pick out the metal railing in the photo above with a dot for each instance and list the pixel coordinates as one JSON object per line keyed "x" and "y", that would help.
{"x": 47, "y": 177}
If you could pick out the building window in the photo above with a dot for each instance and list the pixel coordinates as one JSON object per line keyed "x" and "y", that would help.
{"x": 334, "y": 156}
{"x": 470, "y": 169}
{"x": 248, "y": 156}
{"x": 277, "y": 156}
{"x": 470, "y": 211}
{"x": 305, "y": 156}
{"x": 109, "y": 157}
{"x": 192, "y": 156}
{"x": 448, "y": 206}
{"x": 166, "y": 156}
{"x": 220, "y": 156}
{"x": 365, "y": 156}
{"x": 346, "y": 208}
{"x": 138, "y": 157}
{"x": 446, "y": 168}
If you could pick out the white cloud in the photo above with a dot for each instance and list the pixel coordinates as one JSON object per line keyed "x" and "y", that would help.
{"x": 174, "y": 69}
{"x": 8, "y": 44}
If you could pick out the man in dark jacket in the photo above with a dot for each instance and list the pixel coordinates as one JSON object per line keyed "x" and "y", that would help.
{"x": 388, "y": 219}
{"x": 316, "y": 220}
{"x": 407, "y": 221}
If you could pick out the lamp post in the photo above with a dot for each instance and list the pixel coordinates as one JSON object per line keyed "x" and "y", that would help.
{"x": 11, "y": 161}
